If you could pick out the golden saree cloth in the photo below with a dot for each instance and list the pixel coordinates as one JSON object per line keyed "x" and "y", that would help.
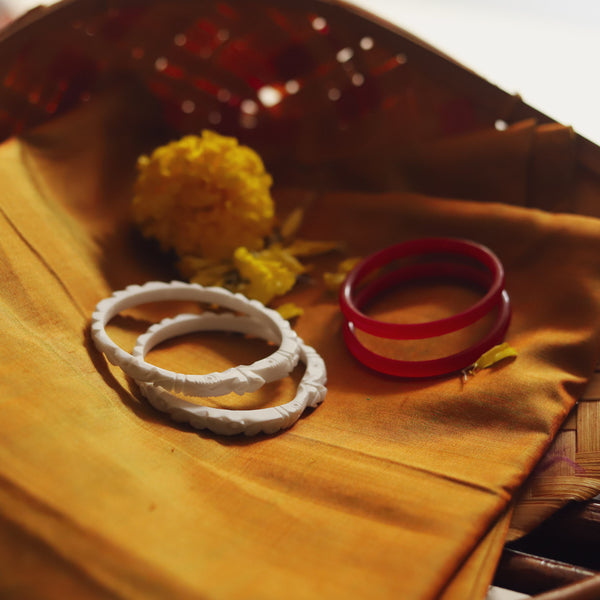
{"x": 390, "y": 489}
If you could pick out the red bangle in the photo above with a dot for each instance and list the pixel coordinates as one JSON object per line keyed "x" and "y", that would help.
{"x": 419, "y": 247}
{"x": 438, "y": 366}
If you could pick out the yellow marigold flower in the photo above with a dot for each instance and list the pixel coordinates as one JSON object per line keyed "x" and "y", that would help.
{"x": 204, "y": 196}
{"x": 266, "y": 274}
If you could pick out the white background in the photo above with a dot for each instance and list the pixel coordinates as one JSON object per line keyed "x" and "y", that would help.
{"x": 545, "y": 50}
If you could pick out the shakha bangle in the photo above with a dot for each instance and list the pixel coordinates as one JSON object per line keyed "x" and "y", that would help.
{"x": 311, "y": 390}
{"x": 432, "y": 367}
{"x": 420, "y": 247}
{"x": 241, "y": 379}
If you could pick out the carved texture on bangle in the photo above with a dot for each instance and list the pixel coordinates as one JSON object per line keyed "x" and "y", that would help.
{"x": 245, "y": 378}
{"x": 311, "y": 390}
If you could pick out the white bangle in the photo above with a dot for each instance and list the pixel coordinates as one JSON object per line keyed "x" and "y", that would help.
{"x": 311, "y": 389}
{"x": 241, "y": 379}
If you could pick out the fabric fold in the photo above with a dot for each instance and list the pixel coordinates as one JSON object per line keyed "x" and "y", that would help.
{"x": 384, "y": 491}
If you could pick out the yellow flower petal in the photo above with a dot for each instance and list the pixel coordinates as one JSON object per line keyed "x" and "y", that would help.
{"x": 263, "y": 278}
{"x": 282, "y": 255}
{"x": 205, "y": 271}
{"x": 304, "y": 248}
{"x": 490, "y": 358}
{"x": 289, "y": 310}
{"x": 333, "y": 281}
{"x": 493, "y": 356}
{"x": 292, "y": 223}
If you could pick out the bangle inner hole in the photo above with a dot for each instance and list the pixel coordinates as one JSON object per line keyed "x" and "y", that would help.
{"x": 203, "y": 352}
{"x": 422, "y": 301}
{"x": 419, "y": 302}
{"x": 125, "y": 327}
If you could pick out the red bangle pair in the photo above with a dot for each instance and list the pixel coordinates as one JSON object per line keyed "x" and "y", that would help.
{"x": 491, "y": 279}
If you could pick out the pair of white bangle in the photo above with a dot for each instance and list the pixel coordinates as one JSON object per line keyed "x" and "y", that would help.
{"x": 160, "y": 386}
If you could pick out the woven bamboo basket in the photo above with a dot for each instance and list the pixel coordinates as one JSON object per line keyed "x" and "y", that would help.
{"x": 354, "y": 85}
{"x": 360, "y": 94}
{"x": 570, "y": 471}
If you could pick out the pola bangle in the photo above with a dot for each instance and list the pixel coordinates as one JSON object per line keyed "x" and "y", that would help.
{"x": 434, "y": 367}
{"x": 241, "y": 379}
{"x": 311, "y": 389}
{"x": 417, "y": 248}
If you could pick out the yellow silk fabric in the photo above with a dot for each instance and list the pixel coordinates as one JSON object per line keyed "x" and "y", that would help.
{"x": 390, "y": 489}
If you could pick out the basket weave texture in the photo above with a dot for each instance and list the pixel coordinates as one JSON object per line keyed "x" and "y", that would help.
{"x": 570, "y": 470}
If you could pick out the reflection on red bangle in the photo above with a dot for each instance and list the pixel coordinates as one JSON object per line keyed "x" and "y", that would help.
{"x": 420, "y": 247}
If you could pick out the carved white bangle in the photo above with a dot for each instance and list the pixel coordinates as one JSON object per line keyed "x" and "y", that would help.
{"x": 241, "y": 379}
{"x": 311, "y": 390}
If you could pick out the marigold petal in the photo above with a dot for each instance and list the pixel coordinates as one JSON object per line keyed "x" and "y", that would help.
{"x": 289, "y": 310}
{"x": 333, "y": 281}
{"x": 263, "y": 278}
{"x": 304, "y": 248}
